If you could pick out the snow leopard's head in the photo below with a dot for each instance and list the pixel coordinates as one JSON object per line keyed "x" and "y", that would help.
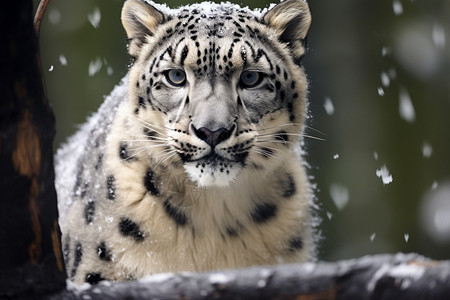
{"x": 215, "y": 88}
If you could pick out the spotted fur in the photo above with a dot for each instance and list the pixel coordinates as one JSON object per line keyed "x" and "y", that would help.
{"x": 192, "y": 163}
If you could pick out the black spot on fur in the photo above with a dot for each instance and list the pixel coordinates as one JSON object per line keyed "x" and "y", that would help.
{"x": 289, "y": 188}
{"x": 84, "y": 189}
{"x": 295, "y": 244}
{"x": 89, "y": 212}
{"x": 111, "y": 187}
{"x": 123, "y": 152}
{"x": 141, "y": 102}
{"x": 175, "y": 213}
{"x": 66, "y": 249}
{"x": 282, "y": 136}
{"x": 150, "y": 183}
{"x": 277, "y": 85}
{"x": 290, "y": 108}
{"x": 77, "y": 259}
{"x": 264, "y": 212}
{"x": 94, "y": 278}
{"x": 232, "y": 232}
{"x": 103, "y": 253}
{"x": 266, "y": 152}
{"x": 150, "y": 134}
{"x": 131, "y": 229}
{"x": 241, "y": 157}
{"x": 99, "y": 161}
{"x": 184, "y": 157}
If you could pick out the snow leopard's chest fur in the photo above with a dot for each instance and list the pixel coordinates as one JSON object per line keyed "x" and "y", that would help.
{"x": 192, "y": 163}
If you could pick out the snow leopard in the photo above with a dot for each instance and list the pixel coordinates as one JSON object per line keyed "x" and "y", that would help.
{"x": 194, "y": 162}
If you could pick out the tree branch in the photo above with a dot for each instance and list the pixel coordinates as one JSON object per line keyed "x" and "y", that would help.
{"x": 401, "y": 276}
{"x": 39, "y": 15}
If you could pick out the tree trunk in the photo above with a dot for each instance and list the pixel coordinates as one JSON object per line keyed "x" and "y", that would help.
{"x": 30, "y": 254}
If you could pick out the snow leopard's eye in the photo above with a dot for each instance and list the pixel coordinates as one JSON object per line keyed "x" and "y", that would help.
{"x": 176, "y": 77}
{"x": 250, "y": 79}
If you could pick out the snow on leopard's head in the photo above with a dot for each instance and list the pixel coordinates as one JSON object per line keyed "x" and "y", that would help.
{"x": 217, "y": 89}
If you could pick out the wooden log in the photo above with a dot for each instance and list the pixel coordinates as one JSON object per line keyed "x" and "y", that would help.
{"x": 30, "y": 254}
{"x": 400, "y": 276}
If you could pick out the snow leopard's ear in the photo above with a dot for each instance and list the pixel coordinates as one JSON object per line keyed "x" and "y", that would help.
{"x": 140, "y": 20}
{"x": 291, "y": 20}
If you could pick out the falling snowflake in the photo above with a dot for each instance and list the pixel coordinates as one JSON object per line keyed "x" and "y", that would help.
{"x": 427, "y": 150}
{"x": 109, "y": 71}
{"x": 95, "y": 17}
{"x": 397, "y": 7}
{"x": 406, "y": 236}
{"x": 438, "y": 35}
{"x": 384, "y": 174}
{"x": 54, "y": 16}
{"x": 372, "y": 236}
{"x": 340, "y": 195}
{"x": 434, "y": 185}
{"x": 329, "y": 106}
{"x": 329, "y": 215}
{"x": 63, "y": 60}
{"x": 406, "y": 108}
{"x": 385, "y": 80}
{"x": 51, "y": 68}
{"x": 95, "y": 66}
{"x": 435, "y": 212}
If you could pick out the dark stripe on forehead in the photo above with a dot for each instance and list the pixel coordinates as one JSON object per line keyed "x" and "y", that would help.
{"x": 168, "y": 51}
{"x": 251, "y": 48}
{"x": 262, "y": 53}
{"x": 152, "y": 65}
{"x": 244, "y": 55}
{"x": 178, "y": 44}
{"x": 247, "y": 30}
{"x": 184, "y": 54}
{"x": 230, "y": 51}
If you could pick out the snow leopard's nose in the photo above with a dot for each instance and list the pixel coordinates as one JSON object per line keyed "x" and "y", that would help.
{"x": 213, "y": 138}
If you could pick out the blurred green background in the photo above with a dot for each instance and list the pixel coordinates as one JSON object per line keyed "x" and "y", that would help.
{"x": 379, "y": 92}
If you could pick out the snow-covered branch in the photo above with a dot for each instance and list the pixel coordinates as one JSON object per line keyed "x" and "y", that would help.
{"x": 400, "y": 276}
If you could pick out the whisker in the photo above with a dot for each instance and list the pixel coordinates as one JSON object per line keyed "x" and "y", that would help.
{"x": 142, "y": 121}
{"x": 149, "y": 126}
{"x": 264, "y": 153}
{"x": 293, "y": 124}
{"x": 164, "y": 153}
{"x": 284, "y": 142}
{"x": 146, "y": 147}
{"x": 270, "y": 148}
{"x": 281, "y": 125}
{"x": 147, "y": 137}
{"x": 164, "y": 160}
{"x": 135, "y": 154}
{"x": 143, "y": 148}
{"x": 313, "y": 137}
{"x": 293, "y": 134}
{"x": 313, "y": 129}
{"x": 149, "y": 141}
